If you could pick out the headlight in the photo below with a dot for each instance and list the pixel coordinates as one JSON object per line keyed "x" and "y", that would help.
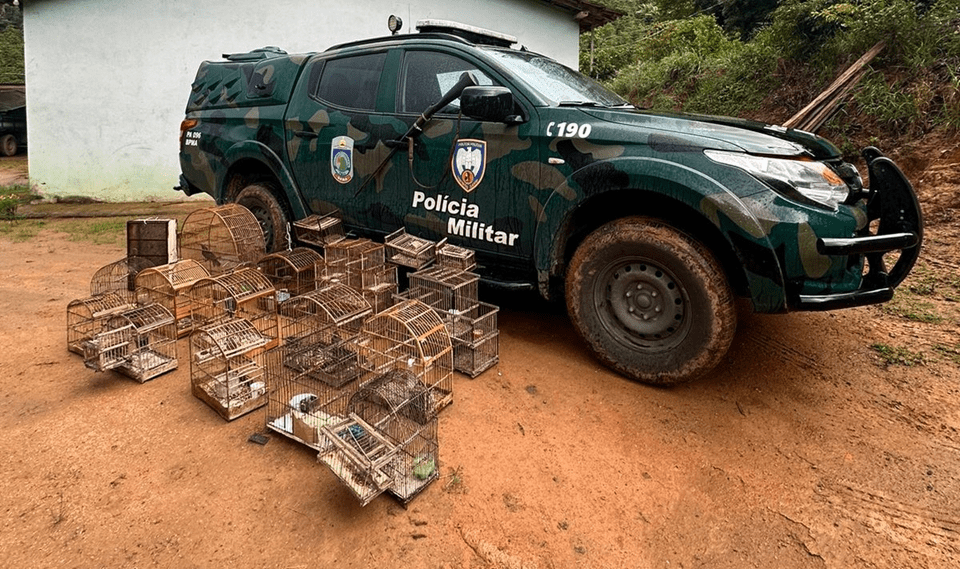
{"x": 806, "y": 181}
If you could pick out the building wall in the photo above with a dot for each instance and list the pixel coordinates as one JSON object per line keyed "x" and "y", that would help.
{"x": 107, "y": 80}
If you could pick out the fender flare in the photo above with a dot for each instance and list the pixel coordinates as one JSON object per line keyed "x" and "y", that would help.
{"x": 259, "y": 152}
{"x": 716, "y": 203}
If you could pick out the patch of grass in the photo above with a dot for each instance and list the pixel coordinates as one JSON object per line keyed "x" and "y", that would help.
{"x": 21, "y": 231}
{"x": 910, "y": 306}
{"x": 891, "y": 355}
{"x": 97, "y": 231}
{"x": 951, "y": 353}
{"x": 922, "y": 281}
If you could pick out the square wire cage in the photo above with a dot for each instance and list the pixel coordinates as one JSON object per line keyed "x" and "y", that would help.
{"x": 319, "y": 230}
{"x": 169, "y": 285}
{"x": 454, "y": 257}
{"x": 243, "y": 293}
{"x": 300, "y": 398}
{"x": 474, "y": 358}
{"x": 445, "y": 289}
{"x": 120, "y": 277}
{"x": 140, "y": 343}
{"x": 86, "y": 317}
{"x": 352, "y": 261}
{"x": 472, "y": 325}
{"x": 293, "y": 272}
{"x": 222, "y": 238}
{"x": 411, "y": 336}
{"x": 224, "y": 372}
{"x": 409, "y": 250}
{"x": 363, "y": 459}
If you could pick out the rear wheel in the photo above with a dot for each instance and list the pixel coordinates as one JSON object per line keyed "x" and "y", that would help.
{"x": 261, "y": 201}
{"x": 651, "y": 302}
{"x": 8, "y": 145}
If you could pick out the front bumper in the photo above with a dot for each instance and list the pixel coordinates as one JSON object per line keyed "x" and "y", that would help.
{"x": 891, "y": 200}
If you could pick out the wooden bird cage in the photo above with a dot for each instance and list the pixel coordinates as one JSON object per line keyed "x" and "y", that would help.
{"x": 319, "y": 230}
{"x": 411, "y": 336}
{"x": 454, "y": 257}
{"x": 445, "y": 289}
{"x": 224, "y": 372}
{"x": 387, "y": 442}
{"x": 293, "y": 272}
{"x": 334, "y": 306}
{"x": 244, "y": 293}
{"x": 119, "y": 277}
{"x": 222, "y": 238}
{"x": 301, "y": 397}
{"x": 475, "y": 337}
{"x": 140, "y": 343}
{"x": 409, "y": 250}
{"x": 169, "y": 285}
{"x": 86, "y": 317}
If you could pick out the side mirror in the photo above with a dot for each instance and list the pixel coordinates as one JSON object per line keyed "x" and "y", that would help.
{"x": 489, "y": 103}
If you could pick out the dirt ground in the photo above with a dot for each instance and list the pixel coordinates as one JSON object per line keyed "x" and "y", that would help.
{"x": 823, "y": 440}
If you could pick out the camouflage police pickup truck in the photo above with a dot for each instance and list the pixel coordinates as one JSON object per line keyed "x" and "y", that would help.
{"x": 650, "y": 224}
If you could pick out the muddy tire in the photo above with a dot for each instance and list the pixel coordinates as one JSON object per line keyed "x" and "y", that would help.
{"x": 651, "y": 302}
{"x": 8, "y": 145}
{"x": 260, "y": 199}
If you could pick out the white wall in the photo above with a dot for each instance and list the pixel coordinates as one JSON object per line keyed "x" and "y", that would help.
{"x": 107, "y": 80}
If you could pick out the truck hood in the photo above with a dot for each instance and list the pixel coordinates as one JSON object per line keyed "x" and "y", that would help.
{"x": 722, "y": 132}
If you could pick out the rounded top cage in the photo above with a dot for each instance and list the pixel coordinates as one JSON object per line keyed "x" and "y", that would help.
{"x": 410, "y": 333}
{"x": 171, "y": 278}
{"x": 222, "y": 238}
{"x": 243, "y": 293}
{"x": 296, "y": 271}
{"x": 119, "y": 276}
{"x": 334, "y": 304}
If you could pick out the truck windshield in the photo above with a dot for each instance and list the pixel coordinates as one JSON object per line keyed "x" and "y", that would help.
{"x": 555, "y": 82}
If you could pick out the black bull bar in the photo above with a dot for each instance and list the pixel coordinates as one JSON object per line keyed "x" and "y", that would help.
{"x": 893, "y": 202}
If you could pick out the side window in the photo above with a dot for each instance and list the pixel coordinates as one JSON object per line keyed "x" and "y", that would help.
{"x": 352, "y": 82}
{"x": 427, "y": 75}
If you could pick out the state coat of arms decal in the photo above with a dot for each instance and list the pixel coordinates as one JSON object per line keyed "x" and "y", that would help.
{"x": 341, "y": 159}
{"x": 469, "y": 163}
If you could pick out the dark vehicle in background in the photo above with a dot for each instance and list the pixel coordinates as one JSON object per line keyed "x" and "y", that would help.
{"x": 13, "y": 119}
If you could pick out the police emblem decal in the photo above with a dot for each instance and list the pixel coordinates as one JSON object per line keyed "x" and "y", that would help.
{"x": 469, "y": 163}
{"x": 341, "y": 159}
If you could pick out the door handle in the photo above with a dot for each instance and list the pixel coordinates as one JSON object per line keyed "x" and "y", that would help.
{"x": 305, "y": 134}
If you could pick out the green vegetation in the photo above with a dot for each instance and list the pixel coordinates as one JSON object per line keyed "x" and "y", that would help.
{"x": 766, "y": 59}
{"x": 891, "y": 355}
{"x": 11, "y": 44}
{"x": 907, "y": 304}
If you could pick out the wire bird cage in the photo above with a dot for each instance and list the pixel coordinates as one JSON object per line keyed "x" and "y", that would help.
{"x": 335, "y": 305}
{"x": 411, "y": 336}
{"x": 293, "y": 272}
{"x": 86, "y": 317}
{"x": 445, "y": 289}
{"x": 119, "y": 277}
{"x": 361, "y": 264}
{"x": 301, "y": 397}
{"x": 140, "y": 343}
{"x": 168, "y": 285}
{"x": 224, "y": 372}
{"x": 222, "y": 238}
{"x": 388, "y": 441}
{"x": 319, "y": 230}
{"x": 409, "y": 250}
{"x": 320, "y": 330}
{"x": 454, "y": 257}
{"x": 244, "y": 293}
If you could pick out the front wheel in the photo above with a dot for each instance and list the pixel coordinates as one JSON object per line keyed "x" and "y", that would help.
{"x": 261, "y": 201}
{"x": 650, "y": 301}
